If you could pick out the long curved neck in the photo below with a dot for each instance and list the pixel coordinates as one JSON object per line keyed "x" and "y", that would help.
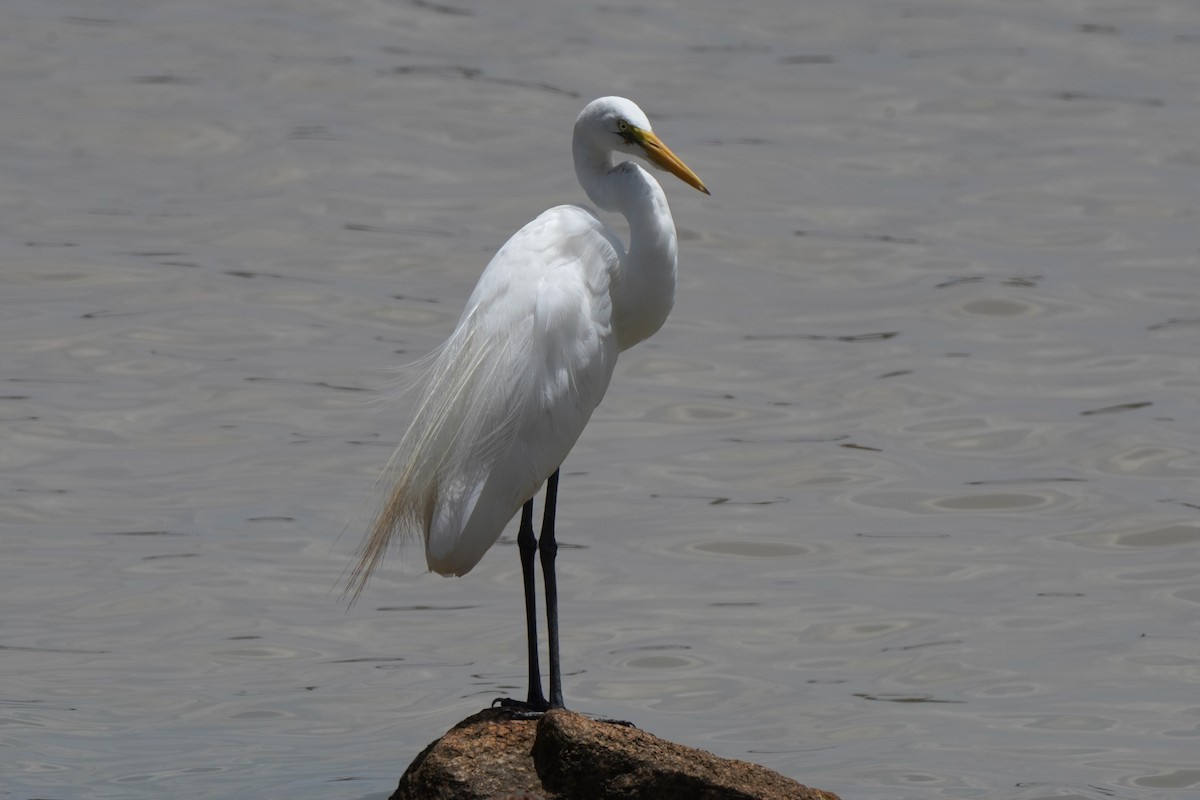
{"x": 643, "y": 290}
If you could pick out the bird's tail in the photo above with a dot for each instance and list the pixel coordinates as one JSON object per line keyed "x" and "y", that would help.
{"x": 455, "y": 422}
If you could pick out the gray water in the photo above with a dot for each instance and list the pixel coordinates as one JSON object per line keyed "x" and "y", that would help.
{"x": 901, "y": 502}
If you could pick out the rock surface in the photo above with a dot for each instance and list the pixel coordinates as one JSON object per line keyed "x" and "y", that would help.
{"x": 561, "y": 755}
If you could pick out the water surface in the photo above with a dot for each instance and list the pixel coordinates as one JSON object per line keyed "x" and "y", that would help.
{"x": 901, "y": 501}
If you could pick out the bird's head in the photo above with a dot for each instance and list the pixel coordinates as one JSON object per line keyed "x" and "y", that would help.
{"x": 618, "y": 125}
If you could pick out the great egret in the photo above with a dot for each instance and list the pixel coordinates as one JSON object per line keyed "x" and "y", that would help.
{"x": 512, "y": 388}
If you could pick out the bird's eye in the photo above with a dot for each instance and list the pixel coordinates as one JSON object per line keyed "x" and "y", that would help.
{"x": 625, "y": 130}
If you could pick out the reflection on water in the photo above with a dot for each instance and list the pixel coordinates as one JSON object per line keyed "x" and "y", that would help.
{"x": 900, "y": 502}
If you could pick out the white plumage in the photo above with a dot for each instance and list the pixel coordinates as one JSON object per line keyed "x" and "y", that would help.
{"x": 511, "y": 390}
{"x": 538, "y": 328}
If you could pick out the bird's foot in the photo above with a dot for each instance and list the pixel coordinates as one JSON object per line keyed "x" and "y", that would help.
{"x": 524, "y": 709}
{"x": 610, "y": 721}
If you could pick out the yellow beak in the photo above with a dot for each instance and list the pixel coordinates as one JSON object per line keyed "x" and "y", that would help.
{"x": 661, "y": 156}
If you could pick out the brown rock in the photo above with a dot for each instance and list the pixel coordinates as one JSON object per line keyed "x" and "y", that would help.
{"x": 484, "y": 756}
{"x": 565, "y": 756}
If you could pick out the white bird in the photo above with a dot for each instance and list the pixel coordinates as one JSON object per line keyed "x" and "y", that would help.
{"x": 511, "y": 390}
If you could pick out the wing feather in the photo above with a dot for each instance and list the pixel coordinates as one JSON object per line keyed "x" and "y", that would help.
{"x": 506, "y": 397}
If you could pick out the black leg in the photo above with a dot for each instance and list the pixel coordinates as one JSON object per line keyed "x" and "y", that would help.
{"x": 549, "y": 548}
{"x": 528, "y": 546}
{"x": 537, "y": 704}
